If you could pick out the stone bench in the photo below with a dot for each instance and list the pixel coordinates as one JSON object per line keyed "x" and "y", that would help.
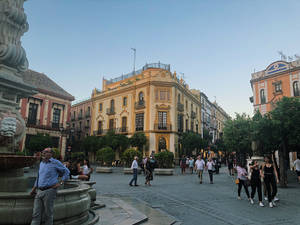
{"x": 102, "y": 169}
{"x": 130, "y": 171}
{"x": 160, "y": 171}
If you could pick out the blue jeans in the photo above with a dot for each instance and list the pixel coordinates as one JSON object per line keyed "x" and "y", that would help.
{"x": 135, "y": 171}
{"x": 43, "y": 207}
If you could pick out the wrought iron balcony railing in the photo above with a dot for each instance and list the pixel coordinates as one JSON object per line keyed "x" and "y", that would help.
{"x": 140, "y": 105}
{"x": 110, "y": 111}
{"x": 193, "y": 115}
{"x": 163, "y": 126}
{"x": 180, "y": 107}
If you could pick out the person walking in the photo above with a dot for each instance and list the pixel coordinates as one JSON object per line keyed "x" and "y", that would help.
{"x": 242, "y": 177}
{"x": 134, "y": 167}
{"x": 45, "y": 187}
{"x": 297, "y": 165}
{"x": 270, "y": 177}
{"x": 191, "y": 164}
{"x": 210, "y": 167}
{"x": 255, "y": 182}
{"x": 182, "y": 164}
{"x": 150, "y": 166}
{"x": 230, "y": 166}
{"x": 199, "y": 167}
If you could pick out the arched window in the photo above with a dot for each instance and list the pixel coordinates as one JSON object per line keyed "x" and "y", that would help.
{"x": 296, "y": 88}
{"x": 112, "y": 104}
{"x": 178, "y": 98}
{"x": 141, "y": 96}
{"x": 162, "y": 144}
{"x": 262, "y": 96}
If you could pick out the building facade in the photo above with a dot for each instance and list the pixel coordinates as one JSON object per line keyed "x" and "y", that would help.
{"x": 277, "y": 80}
{"x": 152, "y": 100}
{"x": 47, "y": 112}
{"x": 81, "y": 113}
{"x": 220, "y": 118}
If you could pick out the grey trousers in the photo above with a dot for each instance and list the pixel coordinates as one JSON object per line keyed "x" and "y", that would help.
{"x": 43, "y": 207}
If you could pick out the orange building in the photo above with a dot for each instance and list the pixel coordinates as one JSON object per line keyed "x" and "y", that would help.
{"x": 277, "y": 80}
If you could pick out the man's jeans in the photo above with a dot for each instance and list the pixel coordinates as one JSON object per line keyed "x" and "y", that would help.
{"x": 135, "y": 171}
{"x": 43, "y": 207}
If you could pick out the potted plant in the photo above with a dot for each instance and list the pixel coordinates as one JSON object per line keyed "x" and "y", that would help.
{"x": 105, "y": 156}
{"x": 165, "y": 163}
{"x": 127, "y": 159}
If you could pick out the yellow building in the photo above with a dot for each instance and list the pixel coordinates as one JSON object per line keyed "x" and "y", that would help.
{"x": 151, "y": 100}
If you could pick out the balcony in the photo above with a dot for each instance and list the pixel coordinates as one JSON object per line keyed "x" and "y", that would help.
{"x": 193, "y": 115}
{"x": 32, "y": 123}
{"x": 73, "y": 118}
{"x": 163, "y": 127}
{"x": 180, "y": 107}
{"x": 120, "y": 130}
{"x": 110, "y": 111}
{"x": 79, "y": 116}
{"x": 123, "y": 130}
{"x": 140, "y": 105}
{"x": 139, "y": 128}
{"x": 88, "y": 114}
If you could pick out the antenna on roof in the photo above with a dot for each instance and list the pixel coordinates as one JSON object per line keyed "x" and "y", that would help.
{"x": 283, "y": 56}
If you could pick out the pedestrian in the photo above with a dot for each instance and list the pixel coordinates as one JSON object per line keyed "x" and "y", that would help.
{"x": 255, "y": 182}
{"x": 182, "y": 164}
{"x": 270, "y": 177}
{"x": 150, "y": 166}
{"x": 45, "y": 187}
{"x": 191, "y": 164}
{"x": 87, "y": 169}
{"x": 210, "y": 167}
{"x": 134, "y": 167}
{"x": 242, "y": 180}
{"x": 187, "y": 159}
{"x": 199, "y": 167}
{"x": 297, "y": 165}
{"x": 230, "y": 166}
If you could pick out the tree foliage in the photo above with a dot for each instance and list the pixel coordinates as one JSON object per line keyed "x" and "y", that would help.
{"x": 138, "y": 140}
{"x": 39, "y": 142}
{"x": 105, "y": 156}
{"x": 164, "y": 159}
{"x": 129, "y": 154}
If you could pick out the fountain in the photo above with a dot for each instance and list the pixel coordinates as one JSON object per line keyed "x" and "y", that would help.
{"x": 73, "y": 202}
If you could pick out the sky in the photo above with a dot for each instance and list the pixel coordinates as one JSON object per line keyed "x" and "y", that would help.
{"x": 216, "y": 44}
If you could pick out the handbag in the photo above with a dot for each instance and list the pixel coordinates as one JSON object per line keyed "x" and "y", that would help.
{"x": 237, "y": 181}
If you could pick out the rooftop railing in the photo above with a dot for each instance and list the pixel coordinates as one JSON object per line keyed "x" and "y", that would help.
{"x": 147, "y": 66}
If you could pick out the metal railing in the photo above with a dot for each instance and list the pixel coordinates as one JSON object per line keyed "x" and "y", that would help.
{"x": 110, "y": 111}
{"x": 180, "y": 107}
{"x": 147, "y": 66}
{"x": 80, "y": 116}
{"x": 163, "y": 126}
{"x": 88, "y": 114}
{"x": 139, "y": 105}
{"x": 193, "y": 114}
{"x": 120, "y": 130}
{"x": 37, "y": 124}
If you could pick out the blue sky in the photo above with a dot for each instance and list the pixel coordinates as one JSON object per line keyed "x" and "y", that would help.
{"x": 217, "y": 44}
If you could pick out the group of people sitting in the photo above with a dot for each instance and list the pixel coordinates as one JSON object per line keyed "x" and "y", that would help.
{"x": 79, "y": 169}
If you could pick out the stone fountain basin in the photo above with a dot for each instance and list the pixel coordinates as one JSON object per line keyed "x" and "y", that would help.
{"x": 8, "y": 162}
{"x": 71, "y": 206}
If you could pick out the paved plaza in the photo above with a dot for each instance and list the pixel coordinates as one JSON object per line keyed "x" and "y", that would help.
{"x": 191, "y": 203}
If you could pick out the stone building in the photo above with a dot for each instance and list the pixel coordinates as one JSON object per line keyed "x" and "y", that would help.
{"x": 220, "y": 118}
{"x": 152, "y": 100}
{"x": 47, "y": 112}
{"x": 81, "y": 120}
{"x": 279, "y": 79}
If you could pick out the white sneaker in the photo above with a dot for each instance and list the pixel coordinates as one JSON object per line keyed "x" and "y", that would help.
{"x": 239, "y": 198}
{"x": 266, "y": 198}
{"x": 273, "y": 202}
{"x": 261, "y": 204}
{"x": 276, "y": 199}
{"x": 251, "y": 201}
{"x": 270, "y": 204}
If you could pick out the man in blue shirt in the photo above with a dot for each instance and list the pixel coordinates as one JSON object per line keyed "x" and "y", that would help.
{"x": 45, "y": 187}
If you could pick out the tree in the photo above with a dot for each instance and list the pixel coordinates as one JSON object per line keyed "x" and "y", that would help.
{"x": 39, "y": 142}
{"x": 92, "y": 144}
{"x": 237, "y": 136}
{"x": 128, "y": 156}
{"x": 190, "y": 142}
{"x": 138, "y": 140}
{"x": 286, "y": 119}
{"x": 106, "y": 156}
{"x": 165, "y": 159}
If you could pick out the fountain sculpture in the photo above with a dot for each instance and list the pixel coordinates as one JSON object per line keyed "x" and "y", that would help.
{"x": 73, "y": 202}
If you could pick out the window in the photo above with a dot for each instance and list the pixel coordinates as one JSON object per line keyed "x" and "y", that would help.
{"x": 141, "y": 97}
{"x": 180, "y": 123}
{"x": 162, "y": 120}
{"x": 197, "y": 128}
{"x": 112, "y": 105}
{"x": 278, "y": 87}
{"x": 56, "y": 118}
{"x": 80, "y": 125}
{"x": 100, "y": 127}
{"x": 262, "y": 96}
{"x": 296, "y": 88}
{"x": 124, "y": 124}
{"x": 186, "y": 125}
{"x": 111, "y": 124}
{"x": 32, "y": 113}
{"x": 139, "y": 121}
{"x": 125, "y": 101}
{"x": 87, "y": 123}
{"x": 186, "y": 105}
{"x": 162, "y": 144}
{"x": 74, "y": 114}
{"x": 100, "y": 107}
{"x": 178, "y": 98}
{"x": 192, "y": 126}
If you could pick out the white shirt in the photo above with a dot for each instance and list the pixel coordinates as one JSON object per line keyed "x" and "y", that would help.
{"x": 134, "y": 165}
{"x": 85, "y": 170}
{"x": 210, "y": 165}
{"x": 297, "y": 164}
{"x": 200, "y": 164}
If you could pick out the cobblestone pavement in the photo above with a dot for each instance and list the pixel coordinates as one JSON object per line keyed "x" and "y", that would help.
{"x": 184, "y": 198}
